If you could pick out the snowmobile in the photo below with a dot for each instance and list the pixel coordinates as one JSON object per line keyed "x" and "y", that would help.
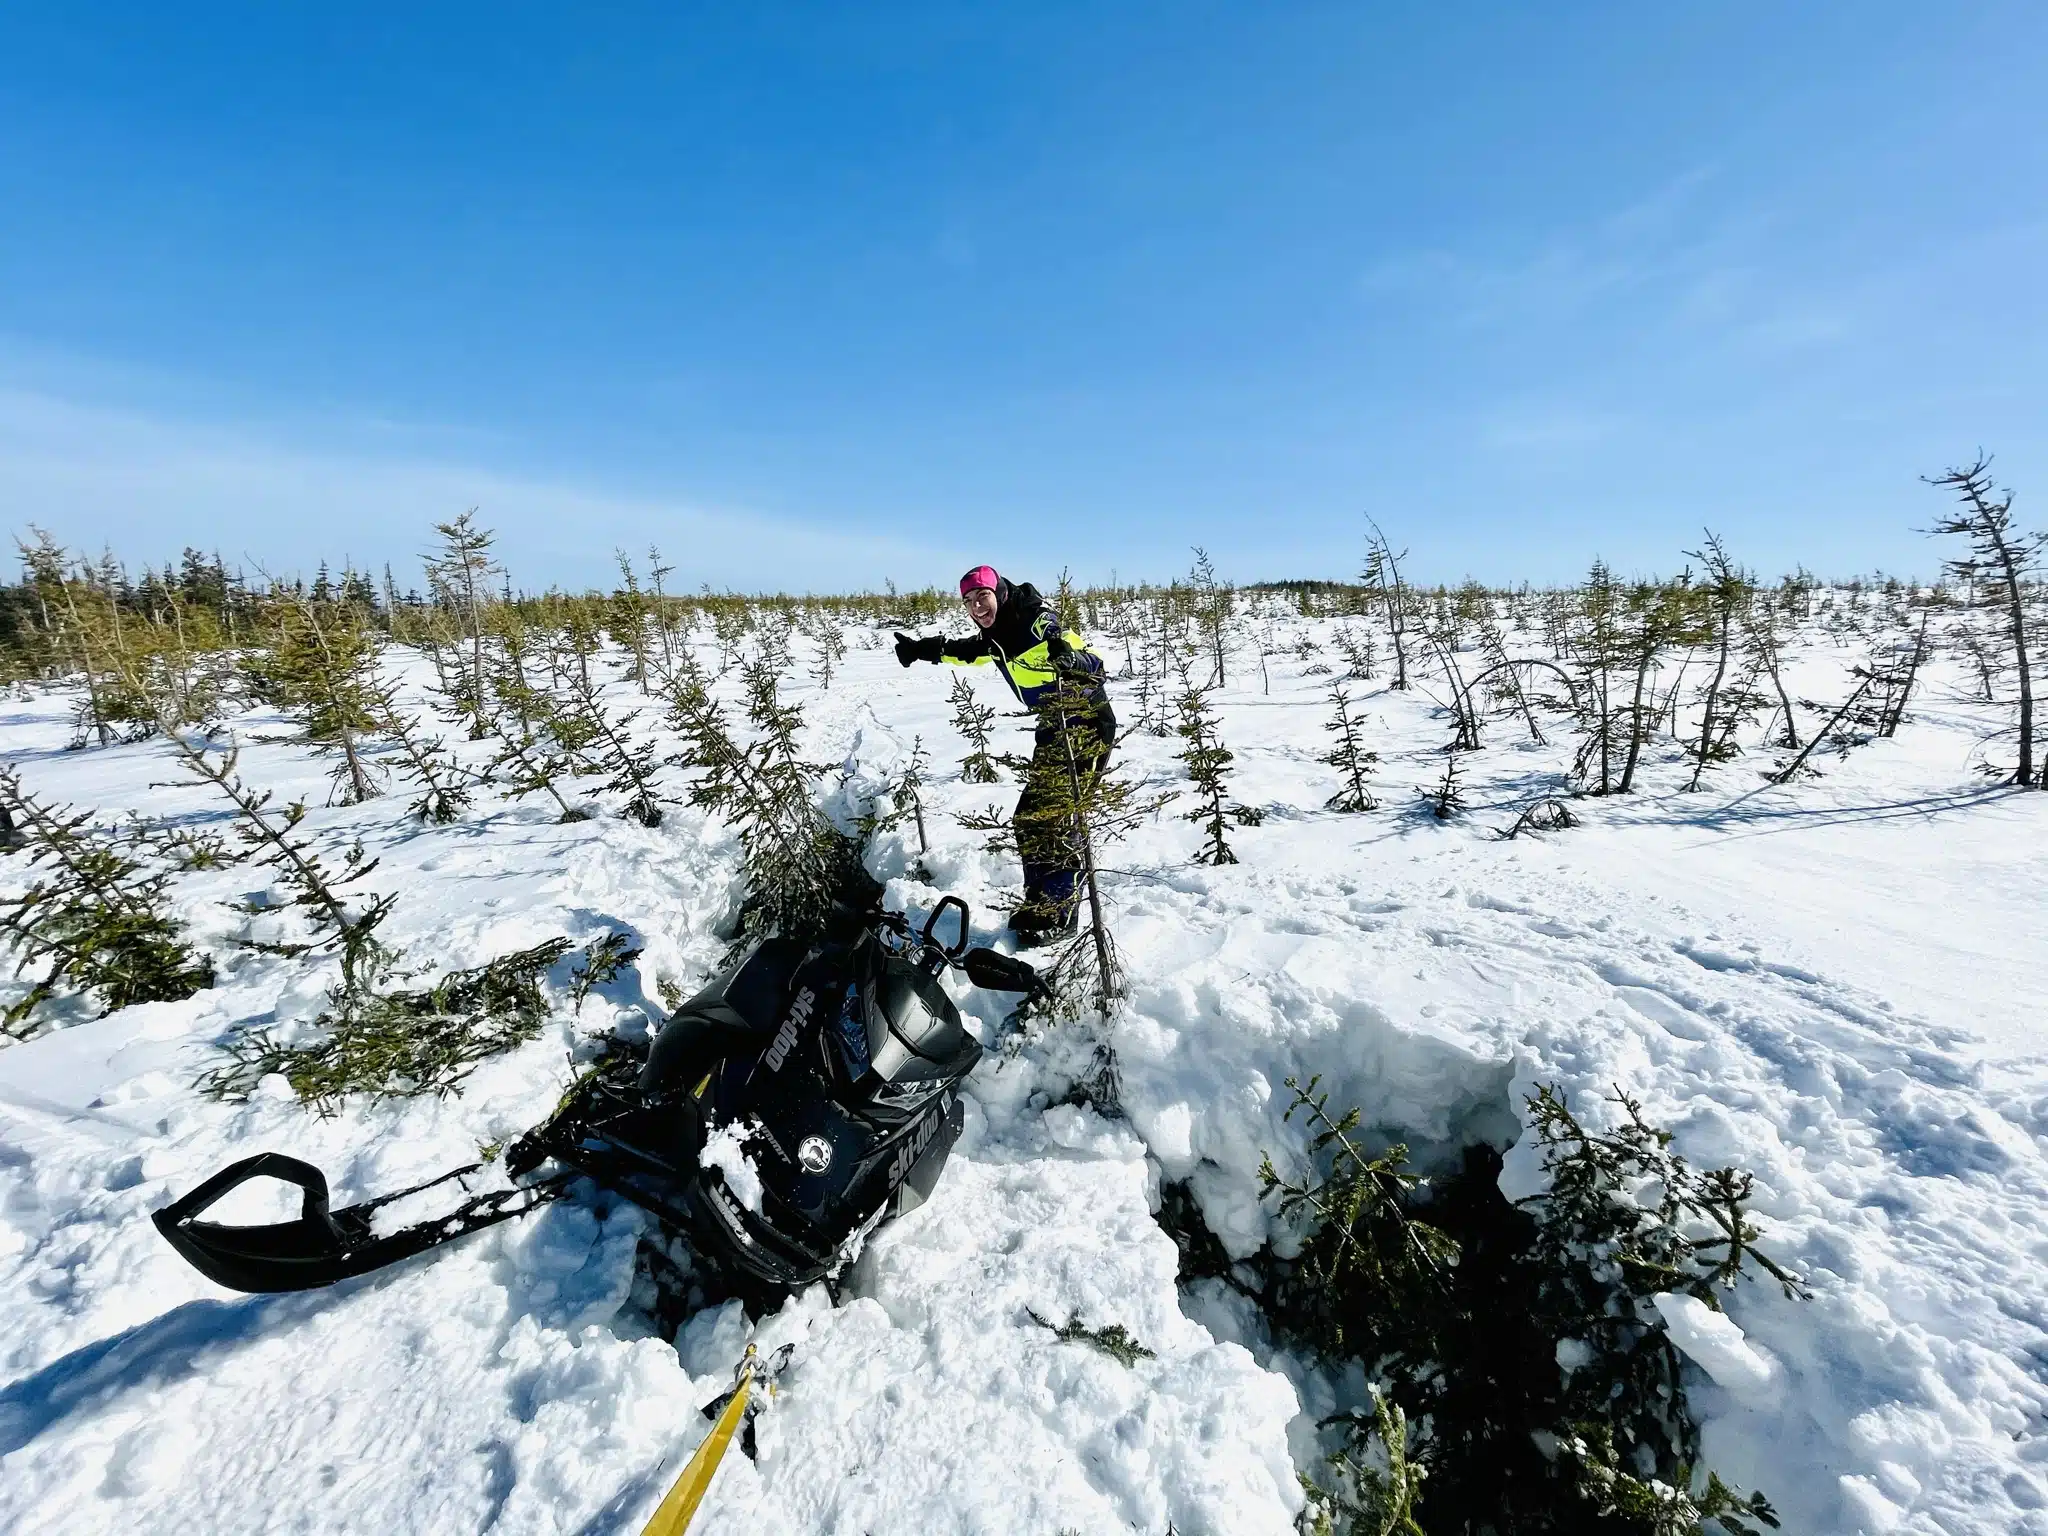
{"x": 807, "y": 1095}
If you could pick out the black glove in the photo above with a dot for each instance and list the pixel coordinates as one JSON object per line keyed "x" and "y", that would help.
{"x": 931, "y": 648}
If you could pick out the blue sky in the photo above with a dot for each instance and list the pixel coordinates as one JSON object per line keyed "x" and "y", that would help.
{"x": 814, "y": 296}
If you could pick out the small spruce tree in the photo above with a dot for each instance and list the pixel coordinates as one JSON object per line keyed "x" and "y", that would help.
{"x": 796, "y": 863}
{"x": 94, "y": 918}
{"x": 1448, "y": 798}
{"x": 586, "y": 730}
{"x": 1208, "y": 762}
{"x": 321, "y": 666}
{"x": 1352, "y": 759}
{"x": 973, "y": 719}
{"x": 460, "y": 575}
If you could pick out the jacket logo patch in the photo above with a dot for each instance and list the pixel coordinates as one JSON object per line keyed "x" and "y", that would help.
{"x": 785, "y": 1037}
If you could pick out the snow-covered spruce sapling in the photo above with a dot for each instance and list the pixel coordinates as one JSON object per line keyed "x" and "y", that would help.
{"x": 626, "y": 621}
{"x": 182, "y": 848}
{"x": 1545, "y": 815}
{"x": 1897, "y": 674}
{"x": 731, "y": 618}
{"x": 1766, "y": 644}
{"x": 273, "y": 840}
{"x": 905, "y": 803}
{"x": 973, "y": 720}
{"x": 1654, "y": 617}
{"x": 1614, "y": 643}
{"x": 1999, "y": 572}
{"x": 1504, "y": 678}
{"x": 604, "y": 961}
{"x": 1208, "y": 762}
{"x": 134, "y": 675}
{"x": 96, "y": 921}
{"x": 1077, "y": 800}
{"x": 830, "y": 640}
{"x": 1444, "y": 635}
{"x": 1367, "y": 1500}
{"x": 444, "y": 784}
{"x": 1352, "y": 759}
{"x": 1847, "y": 711}
{"x": 529, "y": 759}
{"x": 1210, "y": 603}
{"x": 1357, "y": 646}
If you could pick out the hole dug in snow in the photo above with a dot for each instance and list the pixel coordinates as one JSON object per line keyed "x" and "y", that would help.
{"x": 1495, "y": 1365}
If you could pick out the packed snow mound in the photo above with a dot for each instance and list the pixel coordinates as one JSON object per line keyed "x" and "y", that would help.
{"x": 1826, "y": 984}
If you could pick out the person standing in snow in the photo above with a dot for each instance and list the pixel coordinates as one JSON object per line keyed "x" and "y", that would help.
{"x": 1034, "y": 650}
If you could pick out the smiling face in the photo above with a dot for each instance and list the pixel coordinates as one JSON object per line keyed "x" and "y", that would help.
{"x": 981, "y": 606}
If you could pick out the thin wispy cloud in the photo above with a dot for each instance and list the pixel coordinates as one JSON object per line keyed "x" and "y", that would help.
{"x": 144, "y": 484}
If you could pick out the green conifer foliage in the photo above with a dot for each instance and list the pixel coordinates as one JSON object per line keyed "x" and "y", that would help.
{"x": 973, "y": 720}
{"x": 1351, "y": 758}
{"x": 590, "y": 735}
{"x": 96, "y": 921}
{"x": 321, "y": 666}
{"x": 1447, "y": 800}
{"x": 399, "y": 1044}
{"x": 316, "y": 891}
{"x": 460, "y": 574}
{"x": 905, "y": 802}
{"x": 1458, "y": 1303}
{"x": 444, "y": 784}
{"x": 796, "y": 863}
{"x": 1208, "y": 764}
{"x": 1114, "y": 1340}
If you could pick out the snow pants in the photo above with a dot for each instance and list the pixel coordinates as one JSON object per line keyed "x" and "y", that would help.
{"x": 1048, "y": 841}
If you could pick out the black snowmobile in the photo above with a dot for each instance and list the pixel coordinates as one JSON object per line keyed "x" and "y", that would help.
{"x": 833, "y": 1066}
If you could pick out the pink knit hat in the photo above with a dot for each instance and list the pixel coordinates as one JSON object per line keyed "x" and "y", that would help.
{"x": 981, "y": 576}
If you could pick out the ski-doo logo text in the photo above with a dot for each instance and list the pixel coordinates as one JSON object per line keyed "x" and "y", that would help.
{"x": 907, "y": 1154}
{"x": 785, "y": 1037}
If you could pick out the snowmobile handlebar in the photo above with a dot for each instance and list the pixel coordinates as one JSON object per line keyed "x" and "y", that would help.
{"x": 986, "y": 968}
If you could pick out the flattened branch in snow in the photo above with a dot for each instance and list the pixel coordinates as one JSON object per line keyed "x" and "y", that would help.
{"x": 401, "y": 1044}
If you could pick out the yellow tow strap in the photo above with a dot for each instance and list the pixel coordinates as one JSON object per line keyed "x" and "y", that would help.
{"x": 680, "y": 1507}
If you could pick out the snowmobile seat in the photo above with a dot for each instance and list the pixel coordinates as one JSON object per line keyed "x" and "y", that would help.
{"x": 733, "y": 1011}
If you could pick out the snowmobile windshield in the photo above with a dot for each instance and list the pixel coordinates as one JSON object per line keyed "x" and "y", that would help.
{"x": 913, "y": 1027}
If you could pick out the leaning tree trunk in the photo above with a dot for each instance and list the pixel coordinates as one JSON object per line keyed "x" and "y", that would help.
{"x": 2016, "y": 615}
{"x": 1706, "y": 744}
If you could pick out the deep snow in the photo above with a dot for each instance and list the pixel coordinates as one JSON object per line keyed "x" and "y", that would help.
{"x": 1831, "y": 984}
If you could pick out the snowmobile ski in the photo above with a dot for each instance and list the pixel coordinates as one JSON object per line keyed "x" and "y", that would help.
{"x": 324, "y": 1245}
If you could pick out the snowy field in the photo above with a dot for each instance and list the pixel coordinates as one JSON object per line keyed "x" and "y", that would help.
{"x": 1835, "y": 985}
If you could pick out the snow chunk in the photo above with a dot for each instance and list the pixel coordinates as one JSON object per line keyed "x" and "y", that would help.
{"x": 725, "y": 1150}
{"x": 1713, "y": 1342}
